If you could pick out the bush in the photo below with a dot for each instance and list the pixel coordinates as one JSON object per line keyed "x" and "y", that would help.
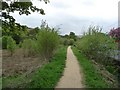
{"x": 29, "y": 47}
{"x": 4, "y": 42}
{"x": 11, "y": 45}
{"x": 96, "y": 45}
{"x": 47, "y": 41}
{"x": 71, "y": 41}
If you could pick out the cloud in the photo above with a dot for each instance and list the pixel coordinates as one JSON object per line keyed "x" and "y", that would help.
{"x": 74, "y": 15}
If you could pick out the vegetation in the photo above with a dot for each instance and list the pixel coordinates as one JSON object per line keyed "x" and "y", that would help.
{"x": 11, "y": 45}
{"x": 4, "y": 42}
{"x": 69, "y": 39}
{"x": 29, "y": 47}
{"x": 96, "y": 45}
{"x": 49, "y": 74}
{"x": 99, "y": 47}
{"x": 47, "y": 42}
{"x": 46, "y": 76}
{"x": 93, "y": 78}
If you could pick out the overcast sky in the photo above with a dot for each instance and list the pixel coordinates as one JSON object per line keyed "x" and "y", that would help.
{"x": 74, "y": 15}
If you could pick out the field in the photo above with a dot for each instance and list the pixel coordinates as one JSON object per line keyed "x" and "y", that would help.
{"x": 18, "y": 64}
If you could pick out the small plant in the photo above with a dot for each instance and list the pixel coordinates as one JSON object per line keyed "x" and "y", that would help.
{"x": 11, "y": 45}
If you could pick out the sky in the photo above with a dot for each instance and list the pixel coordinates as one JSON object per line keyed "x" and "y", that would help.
{"x": 73, "y": 15}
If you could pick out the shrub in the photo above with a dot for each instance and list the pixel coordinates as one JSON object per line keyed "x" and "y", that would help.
{"x": 11, "y": 45}
{"x": 96, "y": 45}
{"x": 47, "y": 41}
{"x": 65, "y": 42}
{"x": 29, "y": 47}
{"x": 4, "y": 42}
{"x": 71, "y": 41}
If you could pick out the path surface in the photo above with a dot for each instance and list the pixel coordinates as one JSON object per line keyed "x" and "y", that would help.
{"x": 72, "y": 76}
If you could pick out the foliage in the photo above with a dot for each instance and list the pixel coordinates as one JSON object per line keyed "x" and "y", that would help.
{"x": 48, "y": 75}
{"x": 11, "y": 45}
{"x": 47, "y": 41}
{"x": 72, "y": 36}
{"x": 32, "y": 32}
{"x": 96, "y": 45}
{"x": 9, "y": 27}
{"x": 16, "y": 31}
{"x": 92, "y": 77}
{"x": 21, "y": 6}
{"x": 4, "y": 42}
{"x": 115, "y": 33}
{"x": 30, "y": 47}
{"x": 71, "y": 41}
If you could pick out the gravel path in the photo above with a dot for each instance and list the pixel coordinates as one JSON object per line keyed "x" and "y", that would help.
{"x": 72, "y": 76}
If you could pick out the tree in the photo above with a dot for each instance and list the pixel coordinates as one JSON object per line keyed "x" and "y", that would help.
{"x": 9, "y": 27}
{"x": 21, "y": 7}
{"x": 72, "y": 36}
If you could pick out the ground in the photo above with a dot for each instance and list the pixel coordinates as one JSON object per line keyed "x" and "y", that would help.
{"x": 18, "y": 64}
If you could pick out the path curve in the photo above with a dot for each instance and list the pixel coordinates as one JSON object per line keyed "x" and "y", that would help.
{"x": 72, "y": 76}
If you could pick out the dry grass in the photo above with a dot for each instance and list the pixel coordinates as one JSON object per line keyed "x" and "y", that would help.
{"x": 18, "y": 64}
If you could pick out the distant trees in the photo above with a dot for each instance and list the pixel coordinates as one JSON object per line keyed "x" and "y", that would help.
{"x": 69, "y": 39}
{"x": 72, "y": 36}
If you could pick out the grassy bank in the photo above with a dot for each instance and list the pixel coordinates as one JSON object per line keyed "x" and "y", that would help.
{"x": 48, "y": 75}
{"x": 92, "y": 77}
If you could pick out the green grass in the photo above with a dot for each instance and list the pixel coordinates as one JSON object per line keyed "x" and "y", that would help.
{"x": 48, "y": 75}
{"x": 92, "y": 77}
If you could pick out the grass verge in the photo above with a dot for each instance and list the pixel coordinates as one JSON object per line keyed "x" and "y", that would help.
{"x": 48, "y": 75}
{"x": 92, "y": 77}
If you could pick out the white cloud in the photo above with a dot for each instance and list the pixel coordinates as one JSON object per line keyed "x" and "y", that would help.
{"x": 74, "y": 14}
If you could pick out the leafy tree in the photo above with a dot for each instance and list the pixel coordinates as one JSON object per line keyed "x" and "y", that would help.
{"x": 9, "y": 27}
{"x": 72, "y": 35}
{"x": 20, "y": 6}
{"x": 16, "y": 31}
